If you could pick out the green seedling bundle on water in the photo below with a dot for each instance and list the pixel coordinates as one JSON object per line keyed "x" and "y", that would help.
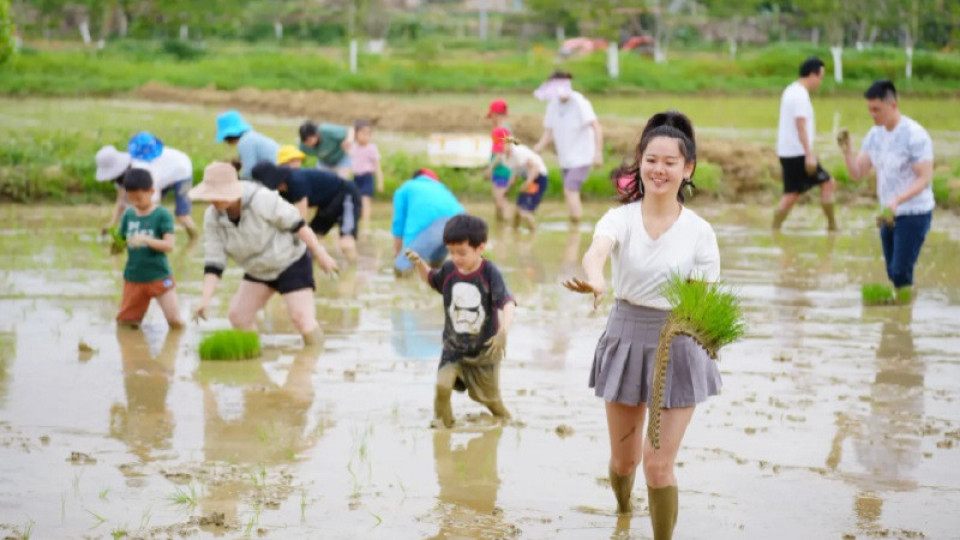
{"x": 877, "y": 294}
{"x": 230, "y": 345}
{"x": 707, "y": 312}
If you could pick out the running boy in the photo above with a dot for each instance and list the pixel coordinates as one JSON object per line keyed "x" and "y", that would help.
{"x": 525, "y": 163}
{"x": 365, "y": 159}
{"x": 148, "y": 231}
{"x": 498, "y": 172}
{"x": 479, "y": 311}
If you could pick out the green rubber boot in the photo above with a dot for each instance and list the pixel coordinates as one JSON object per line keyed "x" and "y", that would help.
{"x": 622, "y": 488}
{"x": 663, "y": 511}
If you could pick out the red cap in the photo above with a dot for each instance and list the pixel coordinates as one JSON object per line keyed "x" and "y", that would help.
{"x": 428, "y": 173}
{"x": 497, "y": 106}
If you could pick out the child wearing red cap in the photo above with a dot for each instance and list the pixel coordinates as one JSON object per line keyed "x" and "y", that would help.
{"x": 498, "y": 172}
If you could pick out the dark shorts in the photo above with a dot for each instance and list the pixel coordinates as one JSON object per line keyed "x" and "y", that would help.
{"x": 297, "y": 276}
{"x": 364, "y": 183}
{"x": 795, "y": 177}
{"x": 530, "y": 199}
{"x": 136, "y": 298}
{"x": 181, "y": 190}
{"x": 343, "y": 211}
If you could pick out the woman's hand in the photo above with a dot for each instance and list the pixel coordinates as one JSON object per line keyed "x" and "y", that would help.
{"x": 585, "y": 287}
{"x": 200, "y": 312}
{"x": 326, "y": 262}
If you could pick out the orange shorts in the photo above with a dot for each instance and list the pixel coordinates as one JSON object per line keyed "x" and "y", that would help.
{"x": 136, "y": 298}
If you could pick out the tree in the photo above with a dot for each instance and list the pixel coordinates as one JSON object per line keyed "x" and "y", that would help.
{"x": 734, "y": 14}
{"x": 6, "y": 31}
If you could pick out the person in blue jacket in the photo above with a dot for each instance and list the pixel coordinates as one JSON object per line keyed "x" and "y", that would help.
{"x": 421, "y": 207}
{"x": 253, "y": 147}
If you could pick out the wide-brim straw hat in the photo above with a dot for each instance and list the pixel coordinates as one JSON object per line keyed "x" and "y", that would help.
{"x": 111, "y": 163}
{"x": 220, "y": 183}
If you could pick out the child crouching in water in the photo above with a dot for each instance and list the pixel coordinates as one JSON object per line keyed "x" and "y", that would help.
{"x": 479, "y": 311}
{"x": 147, "y": 229}
{"x": 528, "y": 165}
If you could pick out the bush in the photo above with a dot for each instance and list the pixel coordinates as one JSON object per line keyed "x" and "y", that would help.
{"x": 6, "y": 31}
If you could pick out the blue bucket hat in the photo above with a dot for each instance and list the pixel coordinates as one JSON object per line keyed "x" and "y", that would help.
{"x": 231, "y": 124}
{"x": 145, "y": 146}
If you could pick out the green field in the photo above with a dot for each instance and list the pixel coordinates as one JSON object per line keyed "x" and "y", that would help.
{"x": 430, "y": 66}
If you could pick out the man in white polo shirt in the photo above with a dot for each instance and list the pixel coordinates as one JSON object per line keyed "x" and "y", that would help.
{"x": 573, "y": 127}
{"x": 795, "y": 134}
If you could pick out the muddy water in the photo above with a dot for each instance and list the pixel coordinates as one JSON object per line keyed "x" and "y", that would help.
{"x": 835, "y": 419}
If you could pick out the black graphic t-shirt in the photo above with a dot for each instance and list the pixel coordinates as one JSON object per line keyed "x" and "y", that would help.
{"x": 470, "y": 303}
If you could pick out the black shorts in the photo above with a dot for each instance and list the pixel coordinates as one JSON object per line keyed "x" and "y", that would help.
{"x": 297, "y": 276}
{"x": 343, "y": 211}
{"x": 795, "y": 177}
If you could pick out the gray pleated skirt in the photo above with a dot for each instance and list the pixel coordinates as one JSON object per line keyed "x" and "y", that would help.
{"x": 626, "y": 356}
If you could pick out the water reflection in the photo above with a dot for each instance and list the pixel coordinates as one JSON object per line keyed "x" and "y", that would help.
{"x": 144, "y": 423}
{"x": 413, "y": 336}
{"x": 469, "y": 481}
{"x": 886, "y": 439}
{"x": 255, "y": 413}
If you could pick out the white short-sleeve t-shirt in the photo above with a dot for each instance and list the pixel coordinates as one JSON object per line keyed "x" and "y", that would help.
{"x": 520, "y": 155}
{"x": 570, "y": 122}
{"x": 893, "y": 154}
{"x": 170, "y": 167}
{"x": 794, "y": 103}
{"x": 641, "y": 265}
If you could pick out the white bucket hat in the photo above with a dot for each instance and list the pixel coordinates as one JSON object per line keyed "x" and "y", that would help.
{"x": 111, "y": 163}
{"x": 220, "y": 183}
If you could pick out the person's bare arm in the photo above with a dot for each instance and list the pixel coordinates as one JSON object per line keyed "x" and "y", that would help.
{"x": 117, "y": 209}
{"x": 423, "y": 269}
{"x": 324, "y": 260}
{"x": 593, "y": 262}
{"x": 506, "y": 316}
{"x": 545, "y": 139}
{"x": 809, "y": 159}
{"x": 379, "y": 177}
{"x": 163, "y": 245}
{"x": 924, "y": 175}
{"x": 302, "y": 207}
{"x": 210, "y": 281}
{"x": 598, "y": 143}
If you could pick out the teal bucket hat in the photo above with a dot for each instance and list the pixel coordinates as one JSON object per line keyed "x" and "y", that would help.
{"x": 231, "y": 124}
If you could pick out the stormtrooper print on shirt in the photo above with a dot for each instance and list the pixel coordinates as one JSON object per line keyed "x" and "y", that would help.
{"x": 471, "y": 302}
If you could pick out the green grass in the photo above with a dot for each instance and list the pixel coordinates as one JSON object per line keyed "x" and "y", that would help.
{"x": 187, "y": 498}
{"x": 230, "y": 345}
{"x": 877, "y": 294}
{"x": 429, "y": 66}
{"x": 709, "y": 309}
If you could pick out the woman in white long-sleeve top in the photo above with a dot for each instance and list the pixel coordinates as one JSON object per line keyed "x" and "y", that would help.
{"x": 269, "y": 239}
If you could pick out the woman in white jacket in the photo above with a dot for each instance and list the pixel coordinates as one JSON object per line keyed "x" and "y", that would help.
{"x": 269, "y": 239}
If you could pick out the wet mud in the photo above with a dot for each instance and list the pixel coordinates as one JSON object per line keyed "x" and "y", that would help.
{"x": 835, "y": 420}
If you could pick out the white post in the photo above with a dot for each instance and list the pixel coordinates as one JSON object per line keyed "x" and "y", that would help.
{"x": 85, "y": 32}
{"x": 483, "y": 20}
{"x": 909, "y": 62}
{"x": 659, "y": 53}
{"x": 353, "y": 56}
{"x": 561, "y": 34}
{"x": 184, "y": 32}
{"x": 837, "y": 53}
{"x": 733, "y": 47}
{"x": 122, "y": 23}
{"x": 613, "y": 60}
{"x": 278, "y": 30}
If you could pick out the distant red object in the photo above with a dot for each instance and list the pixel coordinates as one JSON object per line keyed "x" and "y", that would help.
{"x": 637, "y": 41}
{"x": 582, "y": 45}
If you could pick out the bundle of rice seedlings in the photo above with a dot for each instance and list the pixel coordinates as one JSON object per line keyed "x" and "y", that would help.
{"x": 877, "y": 294}
{"x": 117, "y": 242}
{"x": 885, "y": 217}
{"x": 709, "y": 313}
{"x": 230, "y": 345}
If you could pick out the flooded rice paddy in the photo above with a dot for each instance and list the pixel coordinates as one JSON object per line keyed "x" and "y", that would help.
{"x": 836, "y": 421}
